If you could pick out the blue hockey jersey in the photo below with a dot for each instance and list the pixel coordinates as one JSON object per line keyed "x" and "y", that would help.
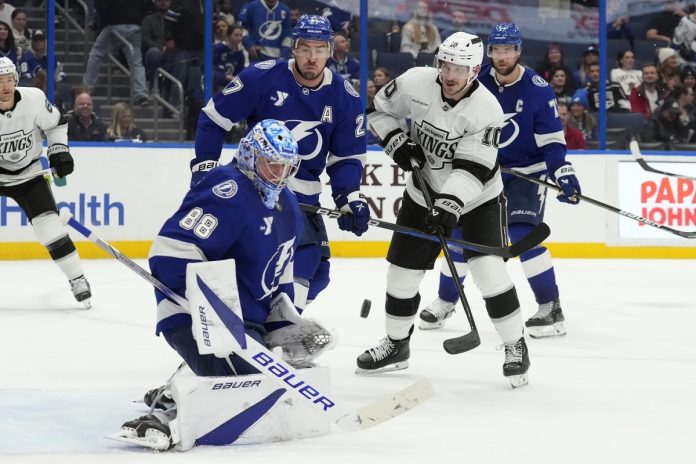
{"x": 268, "y": 27}
{"x": 226, "y": 62}
{"x": 223, "y": 218}
{"x": 327, "y": 122}
{"x": 532, "y": 138}
{"x": 348, "y": 69}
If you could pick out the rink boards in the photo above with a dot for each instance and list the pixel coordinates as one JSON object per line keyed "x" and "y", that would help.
{"x": 126, "y": 191}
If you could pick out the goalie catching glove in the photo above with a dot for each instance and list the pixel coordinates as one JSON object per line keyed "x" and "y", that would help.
{"x": 399, "y": 147}
{"x": 60, "y": 160}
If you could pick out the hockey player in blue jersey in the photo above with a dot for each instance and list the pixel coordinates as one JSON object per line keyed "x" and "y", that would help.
{"x": 266, "y": 29}
{"x": 325, "y": 116}
{"x": 532, "y": 142}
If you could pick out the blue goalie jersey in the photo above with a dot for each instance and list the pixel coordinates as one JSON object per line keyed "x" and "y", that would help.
{"x": 327, "y": 122}
{"x": 532, "y": 138}
{"x": 223, "y": 218}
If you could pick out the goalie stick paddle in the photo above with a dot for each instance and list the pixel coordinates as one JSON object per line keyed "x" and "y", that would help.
{"x": 613, "y": 209}
{"x": 635, "y": 152}
{"x": 534, "y": 238}
{"x": 259, "y": 356}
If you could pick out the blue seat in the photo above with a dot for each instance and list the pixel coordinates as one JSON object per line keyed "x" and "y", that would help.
{"x": 397, "y": 63}
{"x": 378, "y": 42}
{"x": 394, "y": 42}
{"x": 425, "y": 59}
{"x": 633, "y": 122}
{"x": 646, "y": 50}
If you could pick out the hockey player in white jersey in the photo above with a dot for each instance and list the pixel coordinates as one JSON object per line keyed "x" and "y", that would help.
{"x": 24, "y": 114}
{"x": 455, "y": 125}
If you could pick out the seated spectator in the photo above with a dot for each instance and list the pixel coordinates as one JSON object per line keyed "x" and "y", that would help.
{"x": 155, "y": 53}
{"x": 619, "y": 23}
{"x": 235, "y": 40}
{"x": 457, "y": 24}
{"x": 257, "y": 18}
{"x": 647, "y": 96}
{"x": 294, "y": 15}
{"x": 420, "y": 34}
{"x": 83, "y": 123}
{"x": 371, "y": 92}
{"x": 624, "y": 73}
{"x": 224, "y": 10}
{"x": 7, "y": 42}
{"x": 685, "y": 38}
{"x": 228, "y": 61}
{"x": 21, "y": 34}
{"x": 552, "y": 60}
{"x": 668, "y": 63}
{"x": 688, "y": 77}
{"x": 663, "y": 25}
{"x": 562, "y": 86}
{"x": 579, "y": 118}
{"x": 341, "y": 62}
{"x": 573, "y": 137}
{"x": 121, "y": 127}
{"x": 6, "y": 12}
{"x": 616, "y": 99}
{"x": 589, "y": 56}
{"x": 221, "y": 31}
{"x": 381, "y": 77}
{"x": 669, "y": 124}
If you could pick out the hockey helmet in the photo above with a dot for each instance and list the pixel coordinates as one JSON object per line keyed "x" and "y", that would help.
{"x": 312, "y": 27}
{"x": 505, "y": 34}
{"x": 462, "y": 49}
{"x": 268, "y": 155}
{"x": 8, "y": 67}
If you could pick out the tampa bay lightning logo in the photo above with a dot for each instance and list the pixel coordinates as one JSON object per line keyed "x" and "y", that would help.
{"x": 308, "y": 136}
{"x": 270, "y": 30}
{"x": 276, "y": 267}
{"x": 539, "y": 81}
{"x": 506, "y": 138}
{"x": 227, "y": 189}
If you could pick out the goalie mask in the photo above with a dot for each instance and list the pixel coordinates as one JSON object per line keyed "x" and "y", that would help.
{"x": 268, "y": 155}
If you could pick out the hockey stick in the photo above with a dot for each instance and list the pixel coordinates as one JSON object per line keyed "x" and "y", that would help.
{"x": 635, "y": 152}
{"x": 259, "y": 356}
{"x": 472, "y": 339}
{"x": 613, "y": 209}
{"x": 534, "y": 238}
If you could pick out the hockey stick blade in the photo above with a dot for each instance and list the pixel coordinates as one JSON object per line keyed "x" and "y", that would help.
{"x": 635, "y": 152}
{"x": 462, "y": 343}
{"x": 613, "y": 209}
{"x": 534, "y": 238}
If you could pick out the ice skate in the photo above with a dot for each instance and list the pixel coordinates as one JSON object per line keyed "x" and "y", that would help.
{"x": 547, "y": 322}
{"x": 389, "y": 355}
{"x": 516, "y": 363}
{"x": 81, "y": 290}
{"x": 148, "y": 431}
{"x": 159, "y": 398}
{"x": 435, "y": 315}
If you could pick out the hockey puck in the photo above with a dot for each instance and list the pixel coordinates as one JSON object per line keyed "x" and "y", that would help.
{"x": 365, "y": 310}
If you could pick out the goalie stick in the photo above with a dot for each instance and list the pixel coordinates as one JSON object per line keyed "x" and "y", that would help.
{"x": 534, "y": 238}
{"x": 259, "y": 356}
{"x": 613, "y": 209}
{"x": 635, "y": 152}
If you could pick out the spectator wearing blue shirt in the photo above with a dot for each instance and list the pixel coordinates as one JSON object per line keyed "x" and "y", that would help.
{"x": 266, "y": 29}
{"x": 341, "y": 62}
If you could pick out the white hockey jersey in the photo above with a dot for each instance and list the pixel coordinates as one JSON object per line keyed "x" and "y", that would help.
{"x": 22, "y": 129}
{"x": 460, "y": 141}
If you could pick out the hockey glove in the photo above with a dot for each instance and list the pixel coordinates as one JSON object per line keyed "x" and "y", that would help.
{"x": 444, "y": 215}
{"x": 399, "y": 147}
{"x": 565, "y": 178}
{"x": 200, "y": 170}
{"x": 355, "y": 204}
{"x": 60, "y": 160}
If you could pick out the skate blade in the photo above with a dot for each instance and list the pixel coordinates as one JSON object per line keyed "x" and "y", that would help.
{"x": 517, "y": 381}
{"x": 157, "y": 442}
{"x": 546, "y": 331}
{"x": 423, "y": 325}
{"x": 399, "y": 366}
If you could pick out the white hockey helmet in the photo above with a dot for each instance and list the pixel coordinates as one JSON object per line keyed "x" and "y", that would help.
{"x": 8, "y": 67}
{"x": 462, "y": 49}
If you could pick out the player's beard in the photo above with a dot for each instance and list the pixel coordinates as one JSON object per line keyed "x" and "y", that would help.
{"x": 308, "y": 75}
{"x": 507, "y": 70}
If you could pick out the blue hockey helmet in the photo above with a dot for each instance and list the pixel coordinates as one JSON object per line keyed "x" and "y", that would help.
{"x": 312, "y": 27}
{"x": 268, "y": 155}
{"x": 505, "y": 34}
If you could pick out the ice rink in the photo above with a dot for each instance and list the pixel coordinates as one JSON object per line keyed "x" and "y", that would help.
{"x": 620, "y": 387}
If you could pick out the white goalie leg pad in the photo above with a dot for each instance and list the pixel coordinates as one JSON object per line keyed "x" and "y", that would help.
{"x": 303, "y": 340}
{"x": 490, "y": 275}
{"x": 242, "y": 410}
{"x": 211, "y": 334}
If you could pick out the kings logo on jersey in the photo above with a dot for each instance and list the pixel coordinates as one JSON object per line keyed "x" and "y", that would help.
{"x": 15, "y": 146}
{"x": 276, "y": 268}
{"x": 436, "y": 142}
{"x": 308, "y": 136}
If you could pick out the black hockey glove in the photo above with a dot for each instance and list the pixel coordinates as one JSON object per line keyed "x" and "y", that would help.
{"x": 60, "y": 160}
{"x": 399, "y": 147}
{"x": 564, "y": 176}
{"x": 444, "y": 215}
